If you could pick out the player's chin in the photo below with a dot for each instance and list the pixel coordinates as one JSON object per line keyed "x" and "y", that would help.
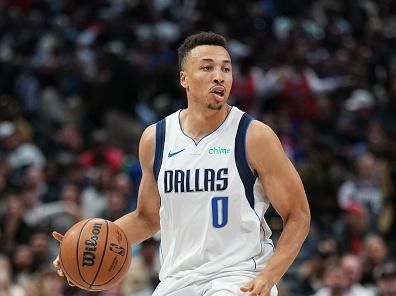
{"x": 216, "y": 106}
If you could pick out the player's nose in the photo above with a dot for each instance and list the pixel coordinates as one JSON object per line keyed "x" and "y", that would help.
{"x": 218, "y": 76}
{"x": 218, "y": 80}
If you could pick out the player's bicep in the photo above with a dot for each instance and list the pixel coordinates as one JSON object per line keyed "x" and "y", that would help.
{"x": 282, "y": 184}
{"x": 148, "y": 196}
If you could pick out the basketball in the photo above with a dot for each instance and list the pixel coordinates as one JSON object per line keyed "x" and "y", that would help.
{"x": 95, "y": 254}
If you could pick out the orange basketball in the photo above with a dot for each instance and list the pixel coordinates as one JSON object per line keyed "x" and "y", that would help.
{"x": 95, "y": 254}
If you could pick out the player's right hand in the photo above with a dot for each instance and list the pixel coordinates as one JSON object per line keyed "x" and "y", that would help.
{"x": 56, "y": 262}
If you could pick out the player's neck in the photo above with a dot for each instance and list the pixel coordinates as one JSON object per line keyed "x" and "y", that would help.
{"x": 198, "y": 124}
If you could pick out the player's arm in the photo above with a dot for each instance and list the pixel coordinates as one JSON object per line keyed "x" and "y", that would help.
{"x": 284, "y": 189}
{"x": 143, "y": 223}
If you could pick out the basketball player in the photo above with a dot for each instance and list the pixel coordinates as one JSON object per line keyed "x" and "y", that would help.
{"x": 209, "y": 174}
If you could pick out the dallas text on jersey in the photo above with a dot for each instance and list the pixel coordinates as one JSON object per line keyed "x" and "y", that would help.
{"x": 198, "y": 180}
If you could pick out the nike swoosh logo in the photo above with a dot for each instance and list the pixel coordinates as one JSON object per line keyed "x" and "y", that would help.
{"x": 171, "y": 154}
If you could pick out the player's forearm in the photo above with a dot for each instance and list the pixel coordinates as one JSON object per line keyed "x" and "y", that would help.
{"x": 138, "y": 227}
{"x": 288, "y": 246}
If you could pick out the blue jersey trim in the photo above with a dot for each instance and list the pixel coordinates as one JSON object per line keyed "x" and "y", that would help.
{"x": 255, "y": 264}
{"x": 261, "y": 225}
{"x": 247, "y": 176}
{"x": 159, "y": 146}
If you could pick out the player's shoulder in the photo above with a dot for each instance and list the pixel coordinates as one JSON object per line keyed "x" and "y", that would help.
{"x": 262, "y": 145}
{"x": 148, "y": 135}
{"x": 147, "y": 147}
{"x": 259, "y": 131}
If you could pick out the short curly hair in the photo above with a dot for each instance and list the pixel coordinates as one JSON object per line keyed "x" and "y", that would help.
{"x": 202, "y": 38}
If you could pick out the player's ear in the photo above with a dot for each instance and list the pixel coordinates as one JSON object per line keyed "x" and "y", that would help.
{"x": 183, "y": 79}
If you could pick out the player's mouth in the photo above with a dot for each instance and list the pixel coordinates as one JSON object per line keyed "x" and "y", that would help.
{"x": 219, "y": 93}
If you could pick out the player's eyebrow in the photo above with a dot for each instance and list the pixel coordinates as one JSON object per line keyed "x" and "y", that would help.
{"x": 211, "y": 60}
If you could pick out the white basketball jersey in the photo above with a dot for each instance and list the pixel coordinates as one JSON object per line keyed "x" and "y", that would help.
{"x": 212, "y": 204}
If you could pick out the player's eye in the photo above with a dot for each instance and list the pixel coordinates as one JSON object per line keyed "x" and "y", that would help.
{"x": 206, "y": 68}
{"x": 227, "y": 69}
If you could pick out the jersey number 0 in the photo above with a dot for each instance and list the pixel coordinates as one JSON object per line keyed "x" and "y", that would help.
{"x": 219, "y": 211}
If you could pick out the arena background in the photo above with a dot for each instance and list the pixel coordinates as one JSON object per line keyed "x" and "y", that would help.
{"x": 80, "y": 80}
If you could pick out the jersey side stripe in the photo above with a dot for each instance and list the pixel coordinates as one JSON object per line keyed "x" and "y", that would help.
{"x": 247, "y": 176}
{"x": 159, "y": 146}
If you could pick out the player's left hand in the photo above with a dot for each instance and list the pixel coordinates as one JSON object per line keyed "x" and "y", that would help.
{"x": 56, "y": 262}
{"x": 259, "y": 286}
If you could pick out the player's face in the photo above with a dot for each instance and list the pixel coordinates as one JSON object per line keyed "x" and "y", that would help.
{"x": 207, "y": 76}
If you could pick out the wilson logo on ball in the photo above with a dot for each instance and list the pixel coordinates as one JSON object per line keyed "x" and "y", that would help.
{"x": 90, "y": 246}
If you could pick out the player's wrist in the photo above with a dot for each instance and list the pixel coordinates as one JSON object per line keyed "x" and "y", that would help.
{"x": 268, "y": 278}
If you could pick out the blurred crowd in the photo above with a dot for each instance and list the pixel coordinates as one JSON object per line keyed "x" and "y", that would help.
{"x": 80, "y": 80}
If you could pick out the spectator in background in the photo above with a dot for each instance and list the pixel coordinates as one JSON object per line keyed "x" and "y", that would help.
{"x": 39, "y": 244}
{"x": 321, "y": 174}
{"x": 13, "y": 228}
{"x": 116, "y": 205}
{"x": 310, "y": 272}
{"x": 34, "y": 179}
{"x": 102, "y": 153}
{"x": 351, "y": 234}
{"x": 385, "y": 277}
{"x": 142, "y": 280}
{"x": 11, "y": 111}
{"x": 4, "y": 182}
{"x": 244, "y": 86}
{"x": 31, "y": 199}
{"x": 19, "y": 154}
{"x": 76, "y": 174}
{"x": 68, "y": 143}
{"x": 123, "y": 184}
{"x": 297, "y": 85}
{"x": 353, "y": 267}
{"x": 354, "y": 122}
{"x": 374, "y": 254}
{"x": 334, "y": 281}
{"x": 387, "y": 219}
{"x": 7, "y": 288}
{"x": 53, "y": 179}
{"x": 49, "y": 283}
{"x": 60, "y": 214}
{"x": 22, "y": 264}
{"x": 94, "y": 197}
{"x": 365, "y": 189}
